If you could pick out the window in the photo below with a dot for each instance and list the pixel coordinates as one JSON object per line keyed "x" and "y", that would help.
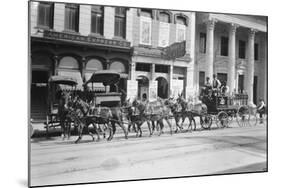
{"x": 45, "y": 15}
{"x": 242, "y": 49}
{"x": 162, "y": 68}
{"x": 181, "y": 28}
{"x": 202, "y": 41}
{"x": 120, "y": 22}
{"x": 164, "y": 17}
{"x": 256, "y": 51}
{"x": 164, "y": 29}
{"x": 222, "y": 77}
{"x": 224, "y": 46}
{"x": 145, "y": 27}
{"x": 71, "y": 17}
{"x": 201, "y": 78}
{"x": 143, "y": 67}
{"x": 241, "y": 83}
{"x": 97, "y": 20}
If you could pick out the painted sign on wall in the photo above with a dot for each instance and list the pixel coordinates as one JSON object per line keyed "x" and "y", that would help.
{"x": 153, "y": 90}
{"x": 132, "y": 89}
{"x": 177, "y": 87}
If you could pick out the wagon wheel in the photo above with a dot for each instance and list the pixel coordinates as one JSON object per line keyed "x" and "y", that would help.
{"x": 243, "y": 116}
{"x": 222, "y": 119}
{"x": 206, "y": 121}
{"x": 253, "y": 120}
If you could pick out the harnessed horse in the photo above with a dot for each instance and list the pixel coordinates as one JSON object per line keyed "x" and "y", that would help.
{"x": 99, "y": 115}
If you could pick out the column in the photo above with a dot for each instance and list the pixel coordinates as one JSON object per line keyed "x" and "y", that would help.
{"x": 152, "y": 71}
{"x": 133, "y": 70}
{"x": 83, "y": 67}
{"x": 231, "y": 52}
{"x": 56, "y": 64}
{"x": 171, "y": 80}
{"x": 210, "y": 48}
{"x": 250, "y": 66}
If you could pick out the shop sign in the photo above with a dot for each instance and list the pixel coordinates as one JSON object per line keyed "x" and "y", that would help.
{"x": 87, "y": 39}
{"x": 176, "y": 50}
{"x": 177, "y": 87}
{"x": 132, "y": 89}
{"x": 153, "y": 90}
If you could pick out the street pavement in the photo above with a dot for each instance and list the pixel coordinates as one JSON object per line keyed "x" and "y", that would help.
{"x": 203, "y": 152}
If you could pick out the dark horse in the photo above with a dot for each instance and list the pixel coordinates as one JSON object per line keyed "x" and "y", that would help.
{"x": 176, "y": 110}
{"x": 64, "y": 113}
{"x": 152, "y": 112}
{"x": 191, "y": 110}
{"x": 98, "y": 115}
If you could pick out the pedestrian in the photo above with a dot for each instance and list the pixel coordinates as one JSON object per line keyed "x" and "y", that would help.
{"x": 216, "y": 82}
{"x": 261, "y": 109}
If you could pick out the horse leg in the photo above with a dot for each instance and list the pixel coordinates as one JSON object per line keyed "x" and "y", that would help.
{"x": 110, "y": 127}
{"x": 139, "y": 127}
{"x": 80, "y": 132}
{"x": 149, "y": 128}
{"x": 170, "y": 125}
{"x": 124, "y": 129}
{"x": 161, "y": 126}
{"x": 194, "y": 124}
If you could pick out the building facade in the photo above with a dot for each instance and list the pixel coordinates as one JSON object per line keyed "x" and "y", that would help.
{"x": 234, "y": 47}
{"x": 77, "y": 40}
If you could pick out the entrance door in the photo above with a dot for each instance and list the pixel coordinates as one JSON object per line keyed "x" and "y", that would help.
{"x": 162, "y": 88}
{"x": 143, "y": 84}
{"x": 255, "y": 89}
{"x": 240, "y": 83}
{"x": 39, "y": 93}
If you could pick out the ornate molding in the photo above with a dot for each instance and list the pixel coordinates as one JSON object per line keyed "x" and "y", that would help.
{"x": 252, "y": 33}
{"x": 211, "y": 24}
{"x": 233, "y": 27}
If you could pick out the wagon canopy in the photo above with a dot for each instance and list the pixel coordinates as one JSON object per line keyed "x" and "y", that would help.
{"x": 107, "y": 77}
{"x": 64, "y": 82}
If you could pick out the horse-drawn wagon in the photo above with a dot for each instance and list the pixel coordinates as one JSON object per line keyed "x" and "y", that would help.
{"x": 60, "y": 89}
{"x": 223, "y": 108}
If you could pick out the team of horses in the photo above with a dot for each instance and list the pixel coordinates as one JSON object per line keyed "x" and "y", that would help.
{"x": 131, "y": 116}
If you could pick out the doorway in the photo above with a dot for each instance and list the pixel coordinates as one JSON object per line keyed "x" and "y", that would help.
{"x": 39, "y": 94}
{"x": 143, "y": 85}
{"x": 162, "y": 88}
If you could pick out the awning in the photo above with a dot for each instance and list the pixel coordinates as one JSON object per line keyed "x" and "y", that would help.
{"x": 107, "y": 77}
{"x": 97, "y": 86}
{"x": 73, "y": 74}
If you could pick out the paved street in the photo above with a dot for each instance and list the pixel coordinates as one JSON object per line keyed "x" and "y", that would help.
{"x": 233, "y": 149}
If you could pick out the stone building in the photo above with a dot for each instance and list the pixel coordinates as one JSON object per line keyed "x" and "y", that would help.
{"x": 235, "y": 48}
{"x": 77, "y": 40}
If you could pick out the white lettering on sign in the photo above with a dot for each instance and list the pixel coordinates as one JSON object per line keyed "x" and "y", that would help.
{"x": 132, "y": 89}
{"x": 164, "y": 32}
{"x": 177, "y": 87}
{"x": 153, "y": 90}
{"x": 145, "y": 30}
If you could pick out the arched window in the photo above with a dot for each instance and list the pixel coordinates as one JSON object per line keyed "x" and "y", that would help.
{"x": 118, "y": 66}
{"x": 164, "y": 17}
{"x": 69, "y": 66}
{"x": 181, "y": 19}
{"x": 164, "y": 29}
{"x": 145, "y": 26}
{"x": 68, "y": 63}
{"x": 146, "y": 13}
{"x": 94, "y": 65}
{"x": 181, "y": 23}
